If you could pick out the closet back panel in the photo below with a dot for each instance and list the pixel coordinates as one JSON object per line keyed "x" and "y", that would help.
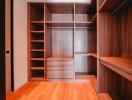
{"x": 109, "y": 29}
{"x": 81, "y": 64}
{"x": 126, "y": 25}
{"x": 48, "y": 42}
{"x": 83, "y": 17}
{"x": 37, "y": 12}
{"x": 62, "y": 17}
{"x": 61, "y": 8}
{"x": 62, "y": 42}
{"x": 85, "y": 40}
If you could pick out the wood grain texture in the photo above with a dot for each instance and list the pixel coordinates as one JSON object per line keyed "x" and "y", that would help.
{"x": 29, "y": 87}
{"x": 63, "y": 8}
{"x": 126, "y": 23}
{"x": 116, "y": 42}
{"x": 58, "y": 24}
{"x": 55, "y": 91}
{"x": 36, "y": 39}
{"x": 119, "y": 65}
{"x": 85, "y": 40}
{"x": 84, "y": 44}
{"x": 62, "y": 42}
{"x": 109, "y": 28}
{"x": 59, "y": 68}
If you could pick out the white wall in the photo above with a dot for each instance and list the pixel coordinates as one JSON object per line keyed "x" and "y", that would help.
{"x": 20, "y": 43}
{"x": 20, "y": 39}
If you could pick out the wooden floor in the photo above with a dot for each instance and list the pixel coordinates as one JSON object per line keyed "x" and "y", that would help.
{"x": 74, "y": 90}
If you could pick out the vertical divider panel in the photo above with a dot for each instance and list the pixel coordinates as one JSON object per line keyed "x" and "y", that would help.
{"x": 44, "y": 44}
{"x": 29, "y": 46}
{"x": 74, "y": 41}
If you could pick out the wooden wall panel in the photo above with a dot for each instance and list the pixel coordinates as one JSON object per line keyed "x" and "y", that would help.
{"x": 83, "y": 17}
{"x": 85, "y": 64}
{"x": 126, "y": 25}
{"x": 62, "y": 42}
{"x": 62, "y": 17}
{"x": 108, "y": 80}
{"x": 85, "y": 40}
{"x": 109, "y": 35}
{"x": 48, "y": 34}
{"x": 48, "y": 15}
{"x": 126, "y": 89}
{"x": 114, "y": 39}
{"x": 81, "y": 64}
{"x": 48, "y": 42}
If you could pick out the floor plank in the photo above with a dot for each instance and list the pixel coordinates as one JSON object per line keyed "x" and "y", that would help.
{"x": 83, "y": 88}
{"x": 55, "y": 91}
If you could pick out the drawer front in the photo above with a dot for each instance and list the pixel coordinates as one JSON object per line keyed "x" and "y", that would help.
{"x": 59, "y": 66}
{"x": 59, "y": 74}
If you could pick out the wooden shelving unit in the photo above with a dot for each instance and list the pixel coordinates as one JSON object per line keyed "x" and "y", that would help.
{"x": 63, "y": 41}
{"x": 55, "y": 31}
{"x": 120, "y": 65}
{"x": 115, "y": 47}
{"x": 85, "y": 38}
{"x": 60, "y": 24}
{"x": 36, "y": 41}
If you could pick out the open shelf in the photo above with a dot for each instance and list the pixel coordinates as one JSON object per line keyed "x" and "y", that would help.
{"x": 36, "y": 11}
{"x": 37, "y": 45}
{"x": 36, "y": 36}
{"x": 37, "y": 59}
{"x": 59, "y": 59}
{"x": 86, "y": 54}
{"x": 37, "y": 63}
{"x": 37, "y": 40}
{"x": 37, "y": 54}
{"x": 61, "y": 8}
{"x": 37, "y": 22}
{"x": 119, "y": 65}
{"x": 90, "y": 23}
{"x": 37, "y": 27}
{"x": 82, "y": 53}
{"x": 37, "y": 50}
{"x": 37, "y": 73}
{"x": 84, "y": 14}
{"x": 37, "y": 32}
{"x": 111, "y": 5}
{"x": 61, "y": 15}
{"x": 93, "y": 55}
{"x": 59, "y": 24}
{"x": 37, "y": 68}
{"x": 82, "y": 24}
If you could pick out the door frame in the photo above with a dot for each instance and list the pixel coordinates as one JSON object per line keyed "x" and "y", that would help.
{"x": 2, "y": 51}
{"x": 12, "y": 46}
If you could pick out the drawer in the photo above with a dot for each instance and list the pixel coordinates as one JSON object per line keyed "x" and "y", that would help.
{"x": 59, "y": 66}
{"x": 59, "y": 74}
{"x": 55, "y": 64}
